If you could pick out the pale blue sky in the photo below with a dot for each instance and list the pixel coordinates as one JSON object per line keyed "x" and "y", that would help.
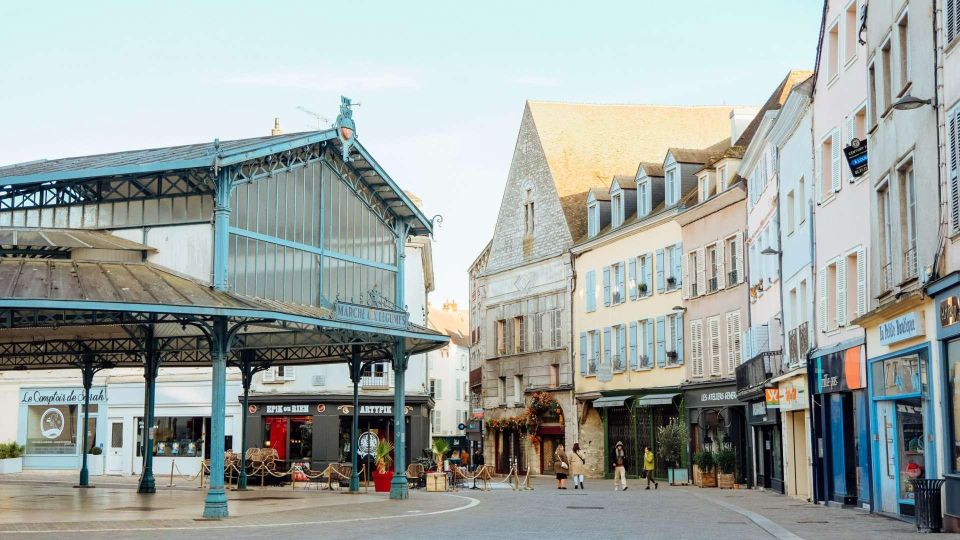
{"x": 442, "y": 84}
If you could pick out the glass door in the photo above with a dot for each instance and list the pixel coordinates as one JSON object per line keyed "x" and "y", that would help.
{"x": 910, "y": 447}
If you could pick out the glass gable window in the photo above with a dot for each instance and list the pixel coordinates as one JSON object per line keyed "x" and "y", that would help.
{"x": 308, "y": 236}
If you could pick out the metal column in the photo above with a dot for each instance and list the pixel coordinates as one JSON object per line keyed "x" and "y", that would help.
{"x": 150, "y": 368}
{"x": 356, "y": 368}
{"x": 247, "y": 369}
{"x": 89, "y": 369}
{"x": 398, "y": 487}
{"x": 215, "y": 505}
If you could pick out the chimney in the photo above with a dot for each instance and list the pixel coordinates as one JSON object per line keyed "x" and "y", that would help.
{"x": 740, "y": 118}
{"x": 449, "y": 305}
{"x": 276, "y": 128}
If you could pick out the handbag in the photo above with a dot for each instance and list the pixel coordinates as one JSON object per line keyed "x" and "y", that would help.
{"x": 564, "y": 465}
{"x": 643, "y": 474}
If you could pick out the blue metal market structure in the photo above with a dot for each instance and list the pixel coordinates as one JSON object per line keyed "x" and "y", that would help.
{"x": 308, "y": 231}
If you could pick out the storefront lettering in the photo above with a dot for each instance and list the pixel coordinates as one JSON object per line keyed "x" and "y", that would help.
{"x": 829, "y": 382}
{"x": 718, "y": 396}
{"x": 287, "y": 409}
{"x": 371, "y": 315}
{"x": 902, "y": 328}
{"x": 949, "y": 311}
{"x": 376, "y": 409}
{"x": 62, "y": 396}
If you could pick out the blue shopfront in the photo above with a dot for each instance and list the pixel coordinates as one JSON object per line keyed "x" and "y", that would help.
{"x": 946, "y": 294}
{"x": 51, "y": 426}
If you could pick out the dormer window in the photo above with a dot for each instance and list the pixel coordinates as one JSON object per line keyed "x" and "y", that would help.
{"x": 706, "y": 186}
{"x": 593, "y": 219}
{"x": 616, "y": 208}
{"x": 672, "y": 185}
{"x": 721, "y": 178}
{"x": 643, "y": 197}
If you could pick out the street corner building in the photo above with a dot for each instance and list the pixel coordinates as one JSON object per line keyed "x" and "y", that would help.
{"x": 209, "y": 263}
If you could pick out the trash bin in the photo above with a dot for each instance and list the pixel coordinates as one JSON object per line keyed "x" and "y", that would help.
{"x": 929, "y": 514}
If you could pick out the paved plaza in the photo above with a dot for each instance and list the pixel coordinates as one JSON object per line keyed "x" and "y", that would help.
{"x": 47, "y": 506}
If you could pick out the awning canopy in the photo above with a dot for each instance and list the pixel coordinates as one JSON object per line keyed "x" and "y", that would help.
{"x": 655, "y": 399}
{"x": 610, "y": 401}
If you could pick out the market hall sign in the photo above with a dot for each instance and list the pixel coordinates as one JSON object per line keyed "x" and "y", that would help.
{"x": 356, "y": 313}
{"x": 907, "y": 326}
{"x": 856, "y": 154}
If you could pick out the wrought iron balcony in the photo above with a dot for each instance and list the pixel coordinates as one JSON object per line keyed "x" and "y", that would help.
{"x": 645, "y": 361}
{"x": 592, "y": 366}
{"x": 803, "y": 338}
{"x": 712, "y": 285}
{"x": 754, "y": 374}
{"x": 619, "y": 363}
{"x": 886, "y": 277}
{"x": 375, "y": 381}
{"x": 910, "y": 263}
{"x": 732, "y": 276}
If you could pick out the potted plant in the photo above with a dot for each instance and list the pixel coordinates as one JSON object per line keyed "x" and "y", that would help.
{"x": 671, "y": 440}
{"x": 11, "y": 458}
{"x": 95, "y": 461}
{"x": 642, "y": 288}
{"x": 382, "y": 475}
{"x": 727, "y": 462}
{"x": 437, "y": 481}
{"x": 671, "y": 282}
{"x": 704, "y": 475}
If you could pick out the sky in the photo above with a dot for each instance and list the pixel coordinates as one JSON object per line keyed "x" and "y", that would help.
{"x": 441, "y": 85}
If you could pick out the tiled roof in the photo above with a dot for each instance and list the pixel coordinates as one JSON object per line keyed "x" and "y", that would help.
{"x": 453, "y": 324}
{"x": 774, "y": 102}
{"x": 651, "y": 168}
{"x": 585, "y": 145}
{"x": 600, "y": 194}
{"x": 625, "y": 181}
{"x": 699, "y": 155}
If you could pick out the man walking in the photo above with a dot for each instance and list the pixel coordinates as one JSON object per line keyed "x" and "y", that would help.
{"x": 618, "y": 460}
{"x": 649, "y": 466}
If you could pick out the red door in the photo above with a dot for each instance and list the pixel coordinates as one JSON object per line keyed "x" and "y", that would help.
{"x": 277, "y": 425}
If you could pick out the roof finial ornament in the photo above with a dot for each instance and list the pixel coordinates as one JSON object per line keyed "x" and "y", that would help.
{"x": 276, "y": 128}
{"x": 346, "y": 129}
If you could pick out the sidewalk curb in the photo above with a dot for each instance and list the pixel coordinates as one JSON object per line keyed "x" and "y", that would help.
{"x": 763, "y": 522}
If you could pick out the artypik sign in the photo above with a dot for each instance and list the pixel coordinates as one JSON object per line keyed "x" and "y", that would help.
{"x": 356, "y": 313}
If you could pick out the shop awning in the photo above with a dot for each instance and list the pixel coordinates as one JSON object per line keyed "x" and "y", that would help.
{"x": 610, "y": 401}
{"x": 655, "y": 399}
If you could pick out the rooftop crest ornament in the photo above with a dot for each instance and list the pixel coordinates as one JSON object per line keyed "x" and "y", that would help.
{"x": 346, "y": 129}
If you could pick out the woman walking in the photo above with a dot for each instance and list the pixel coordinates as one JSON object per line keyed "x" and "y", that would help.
{"x": 561, "y": 466}
{"x": 577, "y": 466}
{"x": 649, "y": 466}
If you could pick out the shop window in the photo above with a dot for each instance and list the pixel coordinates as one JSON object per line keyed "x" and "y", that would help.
{"x": 898, "y": 376}
{"x": 175, "y": 436}
{"x": 52, "y": 430}
{"x": 953, "y": 367}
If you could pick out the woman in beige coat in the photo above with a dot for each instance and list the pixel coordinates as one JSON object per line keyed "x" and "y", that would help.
{"x": 578, "y": 466}
{"x": 561, "y": 465}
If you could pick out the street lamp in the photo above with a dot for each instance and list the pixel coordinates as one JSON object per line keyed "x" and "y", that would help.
{"x": 769, "y": 251}
{"x": 908, "y": 102}
{"x": 679, "y": 308}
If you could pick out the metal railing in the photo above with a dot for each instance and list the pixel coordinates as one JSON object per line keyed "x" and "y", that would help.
{"x": 732, "y": 276}
{"x": 910, "y": 263}
{"x": 693, "y": 288}
{"x": 712, "y": 285}
{"x": 645, "y": 361}
{"x": 886, "y": 277}
{"x": 619, "y": 363}
{"x": 374, "y": 381}
{"x": 754, "y": 374}
{"x": 591, "y": 366}
{"x": 803, "y": 338}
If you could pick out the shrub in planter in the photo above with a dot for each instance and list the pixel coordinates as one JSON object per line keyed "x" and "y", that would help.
{"x": 10, "y": 457}
{"x": 705, "y": 462}
{"x": 95, "y": 451}
{"x": 382, "y": 477}
{"x": 671, "y": 440}
{"x": 726, "y": 460}
{"x": 671, "y": 282}
{"x": 642, "y": 288}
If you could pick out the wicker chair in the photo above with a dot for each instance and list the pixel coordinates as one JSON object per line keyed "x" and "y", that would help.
{"x": 416, "y": 475}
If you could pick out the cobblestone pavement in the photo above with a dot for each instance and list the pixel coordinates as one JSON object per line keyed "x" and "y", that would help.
{"x": 599, "y": 512}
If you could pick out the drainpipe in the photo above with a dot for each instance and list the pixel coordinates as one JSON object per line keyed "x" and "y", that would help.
{"x": 573, "y": 363}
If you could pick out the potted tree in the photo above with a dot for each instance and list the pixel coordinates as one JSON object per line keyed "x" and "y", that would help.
{"x": 437, "y": 481}
{"x": 11, "y": 458}
{"x": 95, "y": 461}
{"x": 703, "y": 474}
{"x": 726, "y": 463}
{"x": 671, "y": 440}
{"x": 382, "y": 476}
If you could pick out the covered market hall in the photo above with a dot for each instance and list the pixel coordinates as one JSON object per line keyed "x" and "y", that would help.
{"x": 253, "y": 253}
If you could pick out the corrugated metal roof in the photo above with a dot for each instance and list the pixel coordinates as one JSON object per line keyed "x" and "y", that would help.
{"x": 66, "y": 238}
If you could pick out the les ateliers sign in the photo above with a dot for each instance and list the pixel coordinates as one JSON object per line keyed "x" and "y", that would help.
{"x": 907, "y": 326}
{"x": 360, "y": 314}
{"x": 856, "y": 154}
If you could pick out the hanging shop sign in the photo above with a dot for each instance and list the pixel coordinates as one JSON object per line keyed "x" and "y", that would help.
{"x": 793, "y": 394}
{"x": 62, "y": 396}
{"x": 360, "y": 314}
{"x": 367, "y": 444}
{"x": 840, "y": 371}
{"x": 287, "y": 409}
{"x": 904, "y": 327}
{"x": 949, "y": 311}
{"x": 856, "y": 153}
{"x": 772, "y": 396}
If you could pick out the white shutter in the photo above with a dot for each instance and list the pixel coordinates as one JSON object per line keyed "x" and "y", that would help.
{"x": 953, "y": 19}
{"x": 851, "y": 129}
{"x": 685, "y": 275}
{"x": 835, "y": 160}
{"x": 721, "y": 275}
{"x": 289, "y": 374}
{"x": 713, "y": 330}
{"x": 842, "y": 291}
{"x": 818, "y": 173}
{"x": 733, "y": 340}
{"x": 861, "y": 281}
{"x": 822, "y": 301}
{"x": 738, "y": 252}
{"x": 696, "y": 347}
{"x": 701, "y": 280}
{"x": 270, "y": 375}
{"x": 953, "y": 161}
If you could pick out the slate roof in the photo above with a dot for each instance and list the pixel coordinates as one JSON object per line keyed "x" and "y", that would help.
{"x": 774, "y": 102}
{"x": 626, "y": 181}
{"x": 600, "y": 194}
{"x": 453, "y": 324}
{"x": 654, "y": 170}
{"x": 67, "y": 239}
{"x": 699, "y": 155}
{"x": 586, "y": 144}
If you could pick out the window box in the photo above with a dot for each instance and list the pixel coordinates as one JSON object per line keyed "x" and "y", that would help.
{"x": 642, "y": 289}
{"x": 671, "y": 282}
{"x": 732, "y": 276}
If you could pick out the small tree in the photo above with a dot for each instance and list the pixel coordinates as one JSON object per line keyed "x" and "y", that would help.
{"x": 440, "y": 449}
{"x": 382, "y": 457}
{"x": 704, "y": 460}
{"x": 671, "y": 440}
{"x": 726, "y": 460}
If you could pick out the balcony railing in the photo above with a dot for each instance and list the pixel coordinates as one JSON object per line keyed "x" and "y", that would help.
{"x": 712, "y": 284}
{"x": 374, "y": 381}
{"x": 592, "y": 366}
{"x": 886, "y": 277}
{"x": 645, "y": 361}
{"x": 619, "y": 363}
{"x": 693, "y": 289}
{"x": 732, "y": 276}
{"x": 803, "y": 339}
{"x": 910, "y": 263}
{"x": 754, "y": 374}
{"x": 476, "y": 377}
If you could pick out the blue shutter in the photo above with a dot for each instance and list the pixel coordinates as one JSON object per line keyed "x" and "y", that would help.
{"x": 648, "y": 273}
{"x": 583, "y": 353}
{"x": 661, "y": 350}
{"x": 678, "y": 319}
{"x": 606, "y": 344}
{"x": 621, "y": 278}
{"x": 596, "y": 347}
{"x": 660, "y": 271}
{"x": 606, "y": 285}
{"x": 649, "y": 352}
{"x": 633, "y": 278}
{"x": 676, "y": 255}
{"x": 633, "y": 345}
{"x": 622, "y": 341}
{"x": 591, "y": 290}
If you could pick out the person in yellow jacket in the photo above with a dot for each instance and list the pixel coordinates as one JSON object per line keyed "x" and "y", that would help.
{"x": 649, "y": 466}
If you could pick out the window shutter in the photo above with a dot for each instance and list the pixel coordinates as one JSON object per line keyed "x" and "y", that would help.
{"x": 733, "y": 340}
{"x": 678, "y": 320}
{"x": 685, "y": 270}
{"x": 437, "y": 393}
{"x": 622, "y": 343}
{"x": 818, "y": 173}
{"x": 591, "y": 291}
{"x": 721, "y": 273}
{"x": 621, "y": 281}
{"x": 661, "y": 345}
{"x": 701, "y": 278}
{"x": 953, "y": 20}
{"x": 606, "y": 285}
{"x": 696, "y": 347}
{"x": 606, "y": 344}
{"x": 648, "y": 273}
{"x": 738, "y": 258}
{"x": 649, "y": 331}
{"x": 862, "y": 279}
{"x": 270, "y": 375}
{"x": 953, "y": 162}
{"x": 633, "y": 345}
{"x": 713, "y": 339}
{"x": 822, "y": 300}
{"x": 632, "y": 284}
{"x": 842, "y": 291}
{"x": 835, "y": 160}
{"x": 660, "y": 276}
{"x": 677, "y": 254}
{"x": 583, "y": 353}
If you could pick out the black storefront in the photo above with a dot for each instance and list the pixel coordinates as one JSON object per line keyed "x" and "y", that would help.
{"x": 316, "y": 429}
{"x": 754, "y": 379}
{"x": 718, "y": 418}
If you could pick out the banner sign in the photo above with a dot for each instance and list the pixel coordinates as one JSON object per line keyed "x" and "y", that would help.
{"x": 856, "y": 154}
{"x": 773, "y": 397}
{"x": 841, "y": 371}
{"x": 724, "y": 396}
{"x": 360, "y": 314}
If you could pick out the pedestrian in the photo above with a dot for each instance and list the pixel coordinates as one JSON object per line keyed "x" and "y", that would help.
{"x": 561, "y": 466}
{"x": 577, "y": 466}
{"x": 477, "y": 459}
{"x": 618, "y": 460}
{"x": 649, "y": 466}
